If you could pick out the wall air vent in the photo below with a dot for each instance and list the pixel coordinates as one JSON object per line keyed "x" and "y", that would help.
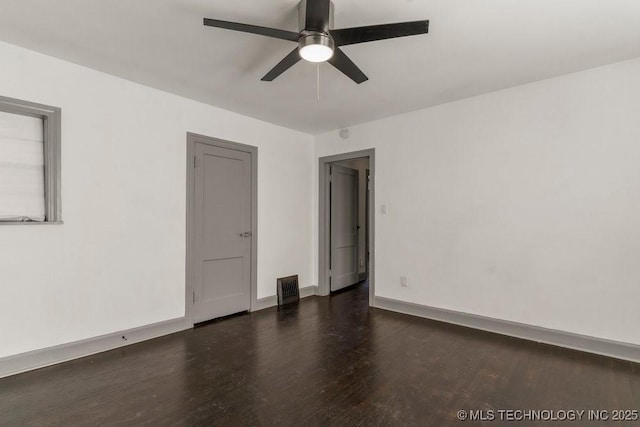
{"x": 288, "y": 290}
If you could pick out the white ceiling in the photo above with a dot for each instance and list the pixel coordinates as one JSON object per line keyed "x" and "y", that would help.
{"x": 474, "y": 47}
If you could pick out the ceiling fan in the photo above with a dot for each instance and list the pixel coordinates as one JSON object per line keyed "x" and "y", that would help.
{"x": 318, "y": 41}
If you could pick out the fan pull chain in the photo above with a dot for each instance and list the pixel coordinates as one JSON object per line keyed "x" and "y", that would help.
{"x": 318, "y": 80}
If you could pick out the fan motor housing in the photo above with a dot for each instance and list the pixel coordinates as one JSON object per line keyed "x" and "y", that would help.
{"x": 312, "y": 38}
{"x": 302, "y": 18}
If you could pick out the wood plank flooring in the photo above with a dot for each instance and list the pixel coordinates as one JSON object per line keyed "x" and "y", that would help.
{"x": 328, "y": 361}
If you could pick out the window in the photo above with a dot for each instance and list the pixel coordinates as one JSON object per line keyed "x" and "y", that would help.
{"x": 29, "y": 162}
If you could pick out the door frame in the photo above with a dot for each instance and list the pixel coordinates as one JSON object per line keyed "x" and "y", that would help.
{"x": 324, "y": 216}
{"x": 192, "y": 139}
{"x": 366, "y": 220}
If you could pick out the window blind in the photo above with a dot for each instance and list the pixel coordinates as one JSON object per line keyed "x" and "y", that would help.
{"x": 21, "y": 168}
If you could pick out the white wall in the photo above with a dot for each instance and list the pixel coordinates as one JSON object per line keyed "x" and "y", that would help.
{"x": 118, "y": 262}
{"x": 522, "y": 204}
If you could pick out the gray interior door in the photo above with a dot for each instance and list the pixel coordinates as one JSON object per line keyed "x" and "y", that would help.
{"x": 344, "y": 227}
{"x": 223, "y": 235}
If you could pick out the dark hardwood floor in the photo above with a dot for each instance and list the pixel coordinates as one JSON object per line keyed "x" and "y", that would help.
{"x": 329, "y": 361}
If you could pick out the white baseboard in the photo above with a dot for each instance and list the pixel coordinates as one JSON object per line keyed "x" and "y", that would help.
{"x": 12, "y": 365}
{"x": 615, "y": 349}
{"x": 272, "y": 301}
{"x": 36, "y": 359}
{"x": 265, "y": 302}
{"x": 308, "y": 291}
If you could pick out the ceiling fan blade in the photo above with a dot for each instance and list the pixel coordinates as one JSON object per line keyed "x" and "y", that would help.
{"x": 288, "y": 62}
{"x": 371, "y": 33}
{"x": 342, "y": 62}
{"x": 317, "y": 15}
{"x": 254, "y": 29}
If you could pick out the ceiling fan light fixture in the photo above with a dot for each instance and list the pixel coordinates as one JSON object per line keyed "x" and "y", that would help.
{"x": 316, "y": 47}
{"x": 316, "y": 53}
{"x": 319, "y": 41}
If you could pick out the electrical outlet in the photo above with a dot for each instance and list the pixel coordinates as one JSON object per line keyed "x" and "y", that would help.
{"x": 403, "y": 282}
{"x": 383, "y": 209}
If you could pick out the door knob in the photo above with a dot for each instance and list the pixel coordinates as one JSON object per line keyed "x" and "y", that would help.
{"x": 245, "y": 234}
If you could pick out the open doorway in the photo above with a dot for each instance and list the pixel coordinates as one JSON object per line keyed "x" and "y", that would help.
{"x": 346, "y": 220}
